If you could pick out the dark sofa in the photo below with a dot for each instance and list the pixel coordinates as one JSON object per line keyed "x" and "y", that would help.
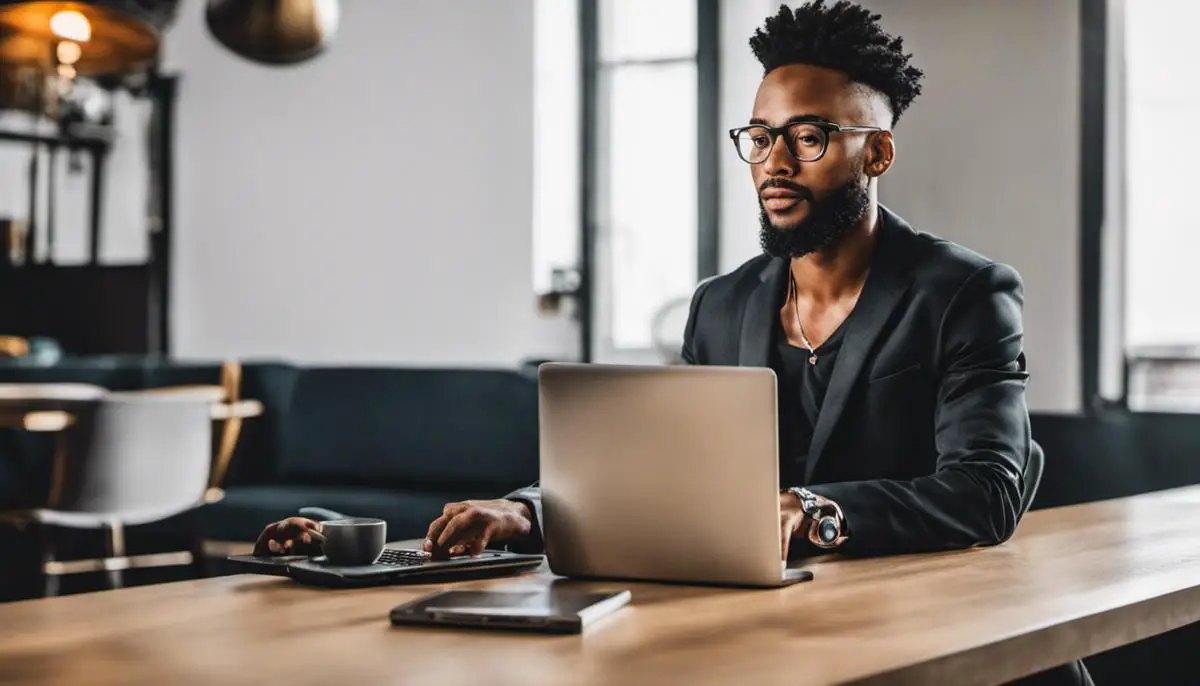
{"x": 386, "y": 442}
{"x": 381, "y": 442}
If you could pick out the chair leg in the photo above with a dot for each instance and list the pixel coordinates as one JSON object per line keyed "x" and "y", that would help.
{"x": 196, "y": 547}
{"x": 116, "y": 549}
{"x": 45, "y": 538}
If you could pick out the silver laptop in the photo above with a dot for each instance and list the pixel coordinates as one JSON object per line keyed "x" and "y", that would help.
{"x": 661, "y": 474}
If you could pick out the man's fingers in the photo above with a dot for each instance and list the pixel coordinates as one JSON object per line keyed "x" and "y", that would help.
{"x": 788, "y": 527}
{"x": 436, "y": 530}
{"x": 297, "y": 524}
{"x": 288, "y": 534}
{"x": 437, "y": 525}
{"x": 454, "y": 527}
{"x": 785, "y": 529}
{"x": 479, "y": 541}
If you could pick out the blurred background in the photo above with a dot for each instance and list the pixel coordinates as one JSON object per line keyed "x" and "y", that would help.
{"x": 352, "y": 229}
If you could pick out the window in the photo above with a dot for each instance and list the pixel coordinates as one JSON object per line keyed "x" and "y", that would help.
{"x": 648, "y": 172}
{"x": 646, "y": 72}
{"x": 1162, "y": 224}
{"x": 1157, "y": 228}
{"x": 655, "y": 149}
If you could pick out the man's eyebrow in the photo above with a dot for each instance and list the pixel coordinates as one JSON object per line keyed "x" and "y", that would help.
{"x": 797, "y": 119}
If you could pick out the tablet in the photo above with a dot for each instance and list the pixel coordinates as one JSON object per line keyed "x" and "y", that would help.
{"x": 554, "y": 610}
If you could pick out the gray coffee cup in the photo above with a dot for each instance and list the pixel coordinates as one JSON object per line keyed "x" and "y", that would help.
{"x": 353, "y": 540}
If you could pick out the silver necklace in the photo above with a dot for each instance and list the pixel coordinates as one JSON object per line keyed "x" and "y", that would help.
{"x": 795, "y": 298}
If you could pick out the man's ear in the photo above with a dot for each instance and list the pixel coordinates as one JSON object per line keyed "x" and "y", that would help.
{"x": 881, "y": 152}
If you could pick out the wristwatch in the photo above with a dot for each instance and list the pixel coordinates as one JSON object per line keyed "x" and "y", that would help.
{"x": 828, "y": 529}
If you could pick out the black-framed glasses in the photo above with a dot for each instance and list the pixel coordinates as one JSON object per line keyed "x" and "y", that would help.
{"x": 807, "y": 141}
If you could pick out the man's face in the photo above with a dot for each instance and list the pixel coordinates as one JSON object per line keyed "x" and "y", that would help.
{"x": 808, "y": 206}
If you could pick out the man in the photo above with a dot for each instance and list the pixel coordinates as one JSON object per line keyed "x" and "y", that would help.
{"x": 899, "y": 355}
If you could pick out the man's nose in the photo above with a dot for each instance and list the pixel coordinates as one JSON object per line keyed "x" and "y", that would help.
{"x": 780, "y": 161}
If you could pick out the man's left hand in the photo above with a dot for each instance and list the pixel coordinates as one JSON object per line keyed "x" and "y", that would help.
{"x": 792, "y": 520}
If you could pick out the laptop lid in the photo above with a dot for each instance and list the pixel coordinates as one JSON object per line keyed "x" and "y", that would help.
{"x": 660, "y": 473}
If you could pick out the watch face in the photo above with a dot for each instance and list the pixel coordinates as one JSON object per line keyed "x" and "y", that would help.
{"x": 827, "y": 530}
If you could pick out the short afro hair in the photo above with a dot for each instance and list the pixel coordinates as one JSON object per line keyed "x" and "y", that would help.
{"x": 845, "y": 37}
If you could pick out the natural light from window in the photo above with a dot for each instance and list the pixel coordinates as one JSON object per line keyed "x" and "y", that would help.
{"x": 1162, "y": 227}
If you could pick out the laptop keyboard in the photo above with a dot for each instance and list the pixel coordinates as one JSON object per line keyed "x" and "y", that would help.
{"x": 402, "y": 558}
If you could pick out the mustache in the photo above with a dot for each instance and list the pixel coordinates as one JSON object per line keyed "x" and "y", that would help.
{"x": 801, "y": 191}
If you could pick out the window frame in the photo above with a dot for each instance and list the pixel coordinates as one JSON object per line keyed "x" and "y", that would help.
{"x": 1094, "y": 34}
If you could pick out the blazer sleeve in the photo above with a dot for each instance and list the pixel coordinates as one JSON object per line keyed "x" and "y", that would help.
{"x": 982, "y": 435}
{"x": 531, "y": 496}
{"x": 688, "y": 351}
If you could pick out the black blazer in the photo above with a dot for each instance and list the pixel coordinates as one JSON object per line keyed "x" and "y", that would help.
{"x": 923, "y": 435}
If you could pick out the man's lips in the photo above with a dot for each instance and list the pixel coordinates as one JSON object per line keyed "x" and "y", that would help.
{"x": 780, "y": 199}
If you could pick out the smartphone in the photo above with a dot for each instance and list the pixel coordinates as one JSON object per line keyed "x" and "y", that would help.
{"x": 550, "y": 610}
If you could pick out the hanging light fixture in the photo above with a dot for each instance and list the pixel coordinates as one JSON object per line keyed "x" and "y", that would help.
{"x": 274, "y": 31}
{"x": 94, "y": 38}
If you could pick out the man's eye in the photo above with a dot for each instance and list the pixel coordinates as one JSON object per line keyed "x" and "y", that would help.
{"x": 760, "y": 141}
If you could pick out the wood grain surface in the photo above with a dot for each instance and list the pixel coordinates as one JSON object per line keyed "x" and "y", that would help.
{"x": 1073, "y": 582}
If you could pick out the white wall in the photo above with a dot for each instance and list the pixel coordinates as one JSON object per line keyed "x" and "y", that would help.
{"x": 370, "y": 206}
{"x": 740, "y": 76}
{"x": 988, "y": 156}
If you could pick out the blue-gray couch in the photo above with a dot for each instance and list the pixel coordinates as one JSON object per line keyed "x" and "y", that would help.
{"x": 389, "y": 442}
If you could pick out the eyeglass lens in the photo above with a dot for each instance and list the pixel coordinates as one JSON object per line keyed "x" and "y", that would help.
{"x": 807, "y": 142}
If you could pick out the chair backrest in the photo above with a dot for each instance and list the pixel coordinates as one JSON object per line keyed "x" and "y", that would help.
{"x": 1033, "y": 475}
{"x": 146, "y": 457}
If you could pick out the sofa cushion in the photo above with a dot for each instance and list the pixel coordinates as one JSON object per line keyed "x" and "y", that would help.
{"x": 259, "y": 449}
{"x": 166, "y": 373}
{"x": 247, "y": 509}
{"x": 412, "y": 428}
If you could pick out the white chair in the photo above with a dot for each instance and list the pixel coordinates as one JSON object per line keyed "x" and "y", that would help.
{"x": 138, "y": 458}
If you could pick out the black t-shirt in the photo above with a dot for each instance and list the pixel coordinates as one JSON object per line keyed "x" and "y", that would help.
{"x": 802, "y": 387}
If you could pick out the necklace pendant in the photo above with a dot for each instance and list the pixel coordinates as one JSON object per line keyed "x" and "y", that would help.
{"x": 812, "y": 360}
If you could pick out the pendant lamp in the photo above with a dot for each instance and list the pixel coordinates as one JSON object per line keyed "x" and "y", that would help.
{"x": 274, "y": 31}
{"x": 93, "y": 38}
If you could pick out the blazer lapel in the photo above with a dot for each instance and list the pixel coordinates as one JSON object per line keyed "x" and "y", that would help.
{"x": 762, "y": 309}
{"x": 887, "y": 282}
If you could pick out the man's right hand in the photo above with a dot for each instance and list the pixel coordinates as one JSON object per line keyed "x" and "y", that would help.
{"x": 291, "y": 536}
{"x": 467, "y": 527}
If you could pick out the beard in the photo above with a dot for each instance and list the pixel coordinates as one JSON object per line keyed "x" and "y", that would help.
{"x": 826, "y": 223}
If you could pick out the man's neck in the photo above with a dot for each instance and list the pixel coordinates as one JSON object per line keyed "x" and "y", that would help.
{"x": 840, "y": 270}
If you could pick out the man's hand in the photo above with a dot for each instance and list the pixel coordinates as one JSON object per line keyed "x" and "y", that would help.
{"x": 468, "y": 527}
{"x": 792, "y": 520}
{"x": 291, "y": 536}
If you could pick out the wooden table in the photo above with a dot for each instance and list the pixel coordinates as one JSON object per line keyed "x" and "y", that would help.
{"x": 1073, "y": 582}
